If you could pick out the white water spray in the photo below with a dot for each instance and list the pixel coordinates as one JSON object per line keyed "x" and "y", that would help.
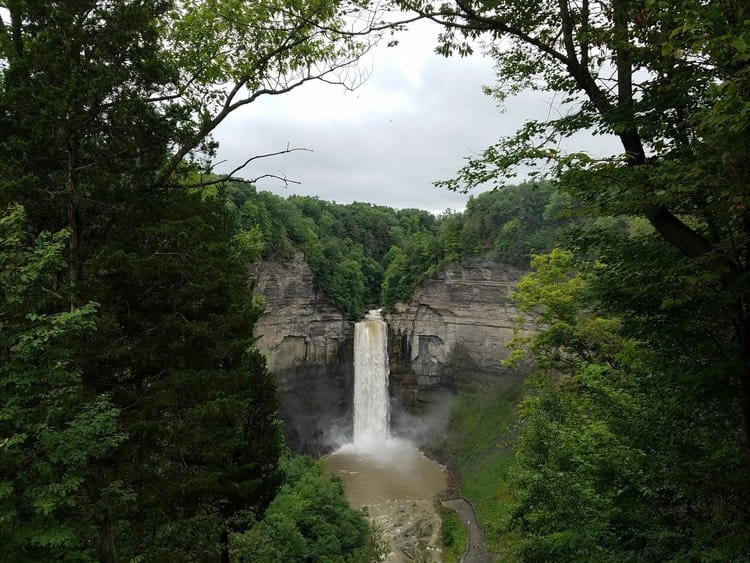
{"x": 371, "y": 416}
{"x": 389, "y": 476}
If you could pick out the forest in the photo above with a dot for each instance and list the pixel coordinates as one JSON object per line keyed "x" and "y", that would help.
{"x": 139, "y": 423}
{"x": 364, "y": 255}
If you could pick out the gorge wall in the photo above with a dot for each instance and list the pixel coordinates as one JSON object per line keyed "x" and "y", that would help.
{"x": 451, "y": 334}
{"x": 308, "y": 343}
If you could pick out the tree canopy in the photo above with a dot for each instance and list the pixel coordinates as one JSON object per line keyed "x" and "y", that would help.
{"x": 643, "y": 320}
{"x": 670, "y": 81}
{"x": 364, "y": 255}
{"x": 138, "y": 421}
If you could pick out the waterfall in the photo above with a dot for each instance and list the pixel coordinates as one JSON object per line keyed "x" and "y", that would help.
{"x": 371, "y": 416}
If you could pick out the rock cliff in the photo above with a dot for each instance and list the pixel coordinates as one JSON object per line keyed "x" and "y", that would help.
{"x": 308, "y": 344}
{"x": 453, "y": 332}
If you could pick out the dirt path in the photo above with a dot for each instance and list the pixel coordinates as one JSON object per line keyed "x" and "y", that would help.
{"x": 475, "y": 552}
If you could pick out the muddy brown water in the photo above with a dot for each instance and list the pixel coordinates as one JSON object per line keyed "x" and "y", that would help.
{"x": 395, "y": 484}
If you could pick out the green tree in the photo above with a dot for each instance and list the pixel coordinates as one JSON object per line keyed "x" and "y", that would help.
{"x": 51, "y": 428}
{"x": 309, "y": 519}
{"x": 106, "y": 112}
{"x": 201, "y": 407}
{"x": 451, "y": 229}
{"x": 419, "y": 257}
{"x": 670, "y": 81}
{"x": 510, "y": 225}
{"x": 618, "y": 440}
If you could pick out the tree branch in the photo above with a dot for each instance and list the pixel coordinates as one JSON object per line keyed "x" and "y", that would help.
{"x": 585, "y": 14}
{"x": 229, "y": 176}
{"x": 670, "y": 227}
{"x": 631, "y": 140}
{"x": 691, "y": 243}
{"x": 491, "y": 24}
{"x": 567, "y": 30}
{"x": 283, "y": 178}
{"x": 294, "y": 38}
{"x": 16, "y": 30}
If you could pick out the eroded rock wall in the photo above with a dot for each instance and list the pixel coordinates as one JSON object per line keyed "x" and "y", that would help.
{"x": 308, "y": 343}
{"x": 453, "y": 332}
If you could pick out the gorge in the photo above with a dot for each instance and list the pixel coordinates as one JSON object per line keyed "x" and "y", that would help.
{"x": 450, "y": 335}
{"x": 388, "y": 478}
{"x": 447, "y": 338}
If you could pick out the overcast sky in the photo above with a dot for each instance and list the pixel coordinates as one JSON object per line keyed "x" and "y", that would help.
{"x": 411, "y": 123}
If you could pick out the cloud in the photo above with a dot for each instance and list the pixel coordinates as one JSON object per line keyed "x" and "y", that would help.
{"x": 411, "y": 123}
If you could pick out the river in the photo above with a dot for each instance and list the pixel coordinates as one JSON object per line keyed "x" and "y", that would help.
{"x": 395, "y": 484}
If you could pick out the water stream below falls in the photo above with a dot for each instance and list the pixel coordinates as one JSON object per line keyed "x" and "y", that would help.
{"x": 388, "y": 478}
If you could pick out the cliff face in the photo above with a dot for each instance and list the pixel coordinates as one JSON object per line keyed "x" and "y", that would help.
{"x": 453, "y": 332}
{"x": 308, "y": 344}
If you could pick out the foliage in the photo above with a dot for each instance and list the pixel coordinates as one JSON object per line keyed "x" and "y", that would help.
{"x": 51, "y": 428}
{"x": 625, "y": 453}
{"x": 479, "y": 444}
{"x": 205, "y": 435}
{"x": 362, "y": 254}
{"x": 455, "y": 536}
{"x": 308, "y": 520}
{"x": 633, "y": 446}
{"x": 670, "y": 81}
{"x": 143, "y": 424}
{"x": 505, "y": 226}
{"x": 511, "y": 224}
{"x": 346, "y": 246}
{"x": 419, "y": 259}
{"x": 201, "y": 449}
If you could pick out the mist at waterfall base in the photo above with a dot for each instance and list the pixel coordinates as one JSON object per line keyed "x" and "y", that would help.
{"x": 387, "y": 476}
{"x": 371, "y": 428}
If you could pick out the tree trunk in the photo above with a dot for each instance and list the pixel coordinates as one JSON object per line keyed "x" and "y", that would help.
{"x": 74, "y": 261}
{"x": 224, "y": 545}
{"x": 105, "y": 542}
{"x": 74, "y": 224}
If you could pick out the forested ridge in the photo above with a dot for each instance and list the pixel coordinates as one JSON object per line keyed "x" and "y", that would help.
{"x": 365, "y": 255}
{"x": 138, "y": 422}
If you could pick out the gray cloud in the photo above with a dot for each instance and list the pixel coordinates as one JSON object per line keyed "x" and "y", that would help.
{"x": 411, "y": 123}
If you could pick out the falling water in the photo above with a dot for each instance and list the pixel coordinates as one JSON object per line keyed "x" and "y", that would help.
{"x": 371, "y": 380}
{"x": 389, "y": 476}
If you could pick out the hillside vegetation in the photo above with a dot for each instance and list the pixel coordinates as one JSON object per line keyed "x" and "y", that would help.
{"x": 363, "y": 254}
{"x": 139, "y": 423}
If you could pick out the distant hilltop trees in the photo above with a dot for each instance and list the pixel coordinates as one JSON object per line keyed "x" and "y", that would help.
{"x": 362, "y": 253}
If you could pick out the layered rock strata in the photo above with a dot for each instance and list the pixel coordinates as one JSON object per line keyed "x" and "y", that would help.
{"x": 453, "y": 332}
{"x": 308, "y": 343}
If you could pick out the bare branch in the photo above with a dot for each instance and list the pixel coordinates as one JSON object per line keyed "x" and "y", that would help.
{"x": 268, "y": 155}
{"x": 293, "y": 39}
{"x": 230, "y": 175}
{"x": 374, "y": 28}
{"x": 283, "y": 178}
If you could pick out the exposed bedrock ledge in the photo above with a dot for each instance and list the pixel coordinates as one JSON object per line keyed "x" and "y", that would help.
{"x": 308, "y": 343}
